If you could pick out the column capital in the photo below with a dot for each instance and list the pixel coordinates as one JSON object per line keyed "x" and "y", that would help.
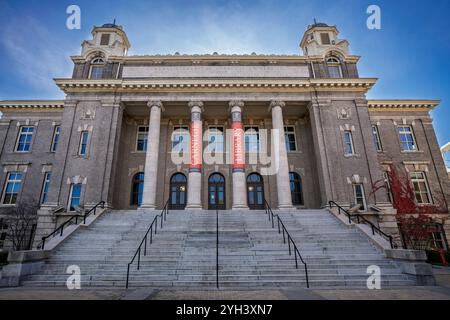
{"x": 276, "y": 103}
{"x": 236, "y": 103}
{"x": 156, "y": 103}
{"x": 199, "y": 104}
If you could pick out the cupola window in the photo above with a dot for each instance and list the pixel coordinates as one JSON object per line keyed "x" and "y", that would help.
{"x": 334, "y": 67}
{"x": 97, "y": 68}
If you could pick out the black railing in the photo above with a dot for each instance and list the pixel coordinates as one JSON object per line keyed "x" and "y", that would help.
{"x": 149, "y": 234}
{"x": 217, "y": 248}
{"x": 360, "y": 218}
{"x": 73, "y": 219}
{"x": 286, "y": 236}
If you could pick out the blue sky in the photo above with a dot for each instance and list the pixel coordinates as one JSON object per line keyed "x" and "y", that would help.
{"x": 410, "y": 54}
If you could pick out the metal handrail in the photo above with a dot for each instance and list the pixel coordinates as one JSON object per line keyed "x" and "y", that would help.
{"x": 361, "y": 217}
{"x": 60, "y": 229}
{"x": 282, "y": 229}
{"x": 217, "y": 248}
{"x": 162, "y": 216}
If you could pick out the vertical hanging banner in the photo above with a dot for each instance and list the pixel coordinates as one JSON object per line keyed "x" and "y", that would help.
{"x": 238, "y": 146}
{"x": 196, "y": 145}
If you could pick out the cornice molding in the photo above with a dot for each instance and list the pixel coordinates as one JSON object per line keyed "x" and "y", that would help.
{"x": 30, "y": 104}
{"x": 151, "y": 85}
{"x": 398, "y": 104}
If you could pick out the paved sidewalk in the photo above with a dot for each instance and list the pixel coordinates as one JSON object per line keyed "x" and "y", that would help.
{"x": 406, "y": 293}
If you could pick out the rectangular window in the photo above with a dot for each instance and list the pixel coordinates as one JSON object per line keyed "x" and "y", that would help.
{"x": 55, "y": 139}
{"x": 45, "y": 186}
{"x": 348, "y": 143}
{"x": 376, "y": 139}
{"x": 358, "y": 192}
{"x": 215, "y": 139}
{"x": 84, "y": 142}
{"x": 142, "y": 138}
{"x": 104, "y": 40}
{"x": 421, "y": 188}
{"x": 251, "y": 139}
{"x": 407, "y": 140}
{"x": 388, "y": 186}
{"x": 334, "y": 71}
{"x": 325, "y": 37}
{"x": 75, "y": 196}
{"x": 180, "y": 139}
{"x": 12, "y": 187}
{"x": 97, "y": 72}
{"x": 24, "y": 139}
{"x": 289, "y": 138}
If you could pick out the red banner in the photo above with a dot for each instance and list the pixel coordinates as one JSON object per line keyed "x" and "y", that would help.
{"x": 196, "y": 145}
{"x": 238, "y": 145}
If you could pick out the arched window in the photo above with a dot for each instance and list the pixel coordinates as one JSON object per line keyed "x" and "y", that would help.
{"x": 97, "y": 68}
{"x": 137, "y": 189}
{"x": 334, "y": 67}
{"x": 295, "y": 182}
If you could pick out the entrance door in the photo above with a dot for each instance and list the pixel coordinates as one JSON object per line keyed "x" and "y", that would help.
{"x": 178, "y": 184}
{"x": 255, "y": 192}
{"x": 216, "y": 192}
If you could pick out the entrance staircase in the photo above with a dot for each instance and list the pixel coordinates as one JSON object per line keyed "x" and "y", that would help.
{"x": 251, "y": 253}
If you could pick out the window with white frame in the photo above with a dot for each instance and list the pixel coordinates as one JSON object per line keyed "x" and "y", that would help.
{"x": 142, "y": 138}
{"x": 75, "y": 196}
{"x": 334, "y": 68}
{"x": 289, "y": 138}
{"x": 24, "y": 139}
{"x": 359, "y": 196}
{"x": 421, "y": 188}
{"x": 407, "y": 139}
{"x": 97, "y": 68}
{"x": 84, "y": 143}
{"x": 348, "y": 143}
{"x": 215, "y": 139}
{"x": 55, "y": 139}
{"x": 45, "y": 187}
{"x": 180, "y": 139}
{"x": 376, "y": 139}
{"x": 12, "y": 187}
{"x": 251, "y": 138}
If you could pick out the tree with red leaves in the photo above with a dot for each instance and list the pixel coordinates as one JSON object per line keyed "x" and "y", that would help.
{"x": 415, "y": 221}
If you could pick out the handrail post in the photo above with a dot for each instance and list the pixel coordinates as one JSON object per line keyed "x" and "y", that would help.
{"x": 284, "y": 238}
{"x": 128, "y": 275}
{"x": 161, "y": 222}
{"x": 289, "y": 244}
{"x": 43, "y": 243}
{"x": 217, "y": 248}
{"x": 278, "y": 220}
{"x": 295, "y": 254}
{"x": 62, "y": 228}
{"x": 145, "y": 245}
{"x": 139, "y": 258}
{"x": 156, "y": 224}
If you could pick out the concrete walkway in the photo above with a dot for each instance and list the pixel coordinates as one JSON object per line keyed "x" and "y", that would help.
{"x": 406, "y": 293}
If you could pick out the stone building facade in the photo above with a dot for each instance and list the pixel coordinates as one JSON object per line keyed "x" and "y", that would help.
{"x": 118, "y": 133}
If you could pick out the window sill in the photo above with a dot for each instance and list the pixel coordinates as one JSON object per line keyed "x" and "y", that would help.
{"x": 7, "y": 205}
{"x": 412, "y": 151}
{"x": 138, "y": 152}
{"x": 348, "y": 156}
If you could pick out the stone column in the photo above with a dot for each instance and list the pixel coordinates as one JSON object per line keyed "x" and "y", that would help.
{"x": 151, "y": 157}
{"x": 194, "y": 192}
{"x": 281, "y": 160}
{"x": 238, "y": 156}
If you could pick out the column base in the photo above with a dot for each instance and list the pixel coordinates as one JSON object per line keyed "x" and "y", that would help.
{"x": 240, "y": 207}
{"x": 145, "y": 208}
{"x": 193, "y": 207}
{"x": 286, "y": 207}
